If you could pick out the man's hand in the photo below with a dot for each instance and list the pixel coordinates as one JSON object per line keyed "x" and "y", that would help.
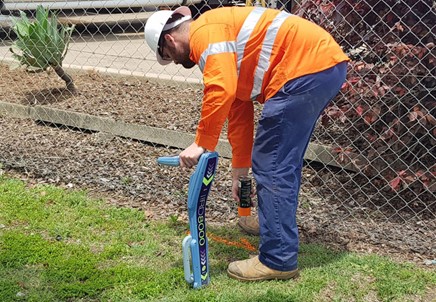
{"x": 236, "y": 173}
{"x": 189, "y": 157}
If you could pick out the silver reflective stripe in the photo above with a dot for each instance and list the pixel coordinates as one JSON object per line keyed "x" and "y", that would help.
{"x": 245, "y": 32}
{"x": 241, "y": 41}
{"x": 265, "y": 53}
{"x": 216, "y": 48}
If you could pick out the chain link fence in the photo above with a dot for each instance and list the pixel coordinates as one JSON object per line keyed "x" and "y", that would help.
{"x": 369, "y": 181}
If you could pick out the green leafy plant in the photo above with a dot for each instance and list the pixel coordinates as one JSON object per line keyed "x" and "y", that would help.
{"x": 41, "y": 44}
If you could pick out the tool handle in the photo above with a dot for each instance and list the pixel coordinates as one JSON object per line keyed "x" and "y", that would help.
{"x": 186, "y": 248}
{"x": 173, "y": 161}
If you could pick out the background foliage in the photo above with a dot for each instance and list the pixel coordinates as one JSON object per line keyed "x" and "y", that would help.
{"x": 389, "y": 103}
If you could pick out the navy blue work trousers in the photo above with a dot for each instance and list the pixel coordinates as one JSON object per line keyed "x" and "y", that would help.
{"x": 282, "y": 137}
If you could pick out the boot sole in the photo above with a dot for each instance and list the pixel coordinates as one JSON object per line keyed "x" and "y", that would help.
{"x": 252, "y": 232}
{"x": 282, "y": 277}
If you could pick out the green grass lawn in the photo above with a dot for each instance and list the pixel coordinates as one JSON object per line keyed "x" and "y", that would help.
{"x": 57, "y": 245}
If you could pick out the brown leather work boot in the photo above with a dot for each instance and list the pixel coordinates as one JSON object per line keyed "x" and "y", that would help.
{"x": 254, "y": 270}
{"x": 249, "y": 224}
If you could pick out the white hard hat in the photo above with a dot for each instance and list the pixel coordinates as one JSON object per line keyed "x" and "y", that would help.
{"x": 156, "y": 24}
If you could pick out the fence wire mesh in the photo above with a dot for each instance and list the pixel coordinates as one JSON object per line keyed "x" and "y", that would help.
{"x": 369, "y": 181}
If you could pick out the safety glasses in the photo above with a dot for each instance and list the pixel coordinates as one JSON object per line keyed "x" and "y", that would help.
{"x": 163, "y": 51}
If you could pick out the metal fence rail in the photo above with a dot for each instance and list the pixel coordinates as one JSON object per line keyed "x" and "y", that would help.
{"x": 370, "y": 181}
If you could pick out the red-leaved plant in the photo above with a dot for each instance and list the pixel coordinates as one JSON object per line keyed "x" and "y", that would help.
{"x": 386, "y": 111}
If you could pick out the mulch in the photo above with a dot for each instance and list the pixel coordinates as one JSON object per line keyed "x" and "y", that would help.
{"x": 337, "y": 208}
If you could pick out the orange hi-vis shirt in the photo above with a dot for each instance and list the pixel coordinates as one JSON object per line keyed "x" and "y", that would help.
{"x": 247, "y": 54}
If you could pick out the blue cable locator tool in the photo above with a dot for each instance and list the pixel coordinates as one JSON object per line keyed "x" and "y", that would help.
{"x": 195, "y": 246}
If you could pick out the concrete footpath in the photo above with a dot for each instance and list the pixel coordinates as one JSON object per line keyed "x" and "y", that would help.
{"x": 116, "y": 53}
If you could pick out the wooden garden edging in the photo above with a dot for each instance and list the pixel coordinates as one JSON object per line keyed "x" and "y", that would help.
{"x": 315, "y": 152}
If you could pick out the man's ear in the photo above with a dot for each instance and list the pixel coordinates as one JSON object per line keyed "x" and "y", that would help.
{"x": 169, "y": 39}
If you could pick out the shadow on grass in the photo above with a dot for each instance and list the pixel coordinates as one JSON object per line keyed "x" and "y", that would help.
{"x": 227, "y": 244}
{"x": 315, "y": 255}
